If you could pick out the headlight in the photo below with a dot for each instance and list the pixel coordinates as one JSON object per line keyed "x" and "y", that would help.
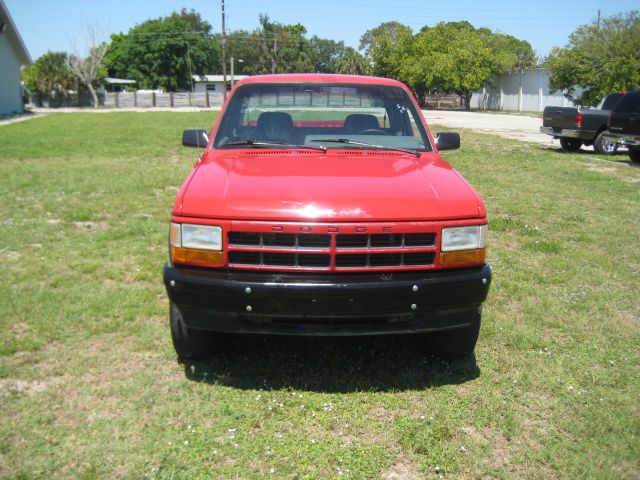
{"x": 196, "y": 244}
{"x": 464, "y": 238}
{"x": 204, "y": 237}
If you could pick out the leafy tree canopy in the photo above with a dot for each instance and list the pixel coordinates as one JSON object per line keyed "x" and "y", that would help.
{"x": 162, "y": 53}
{"x": 599, "y": 58}
{"x": 448, "y": 57}
{"x": 382, "y": 45}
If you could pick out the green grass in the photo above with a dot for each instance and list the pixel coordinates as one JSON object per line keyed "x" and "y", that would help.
{"x": 90, "y": 386}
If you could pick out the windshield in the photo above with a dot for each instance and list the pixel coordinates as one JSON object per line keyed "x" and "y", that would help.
{"x": 321, "y": 115}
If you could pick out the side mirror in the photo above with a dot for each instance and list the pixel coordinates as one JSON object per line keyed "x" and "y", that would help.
{"x": 195, "y": 137}
{"x": 448, "y": 140}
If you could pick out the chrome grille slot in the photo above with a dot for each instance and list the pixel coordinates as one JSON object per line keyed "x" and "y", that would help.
{"x": 244, "y": 238}
{"x": 278, "y": 240}
{"x": 352, "y": 241}
{"x": 312, "y": 240}
{"x": 419, "y": 239}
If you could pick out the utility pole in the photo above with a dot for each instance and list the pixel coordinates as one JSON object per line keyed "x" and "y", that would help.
{"x": 598, "y": 19}
{"x": 224, "y": 55}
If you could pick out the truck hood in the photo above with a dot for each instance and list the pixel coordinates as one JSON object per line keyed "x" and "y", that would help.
{"x": 294, "y": 185}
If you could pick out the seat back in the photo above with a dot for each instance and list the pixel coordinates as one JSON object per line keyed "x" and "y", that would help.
{"x": 274, "y": 127}
{"x": 358, "y": 122}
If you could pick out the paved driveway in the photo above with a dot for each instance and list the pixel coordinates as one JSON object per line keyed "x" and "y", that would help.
{"x": 518, "y": 127}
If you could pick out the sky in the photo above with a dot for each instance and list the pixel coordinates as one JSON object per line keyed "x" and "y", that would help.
{"x": 57, "y": 24}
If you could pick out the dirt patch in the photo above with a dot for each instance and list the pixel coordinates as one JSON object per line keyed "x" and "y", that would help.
{"x": 500, "y": 450}
{"x": 601, "y": 169}
{"x": 91, "y": 226}
{"x": 403, "y": 469}
{"x": 12, "y": 386}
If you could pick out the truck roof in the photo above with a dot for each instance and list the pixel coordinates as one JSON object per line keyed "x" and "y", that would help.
{"x": 319, "y": 78}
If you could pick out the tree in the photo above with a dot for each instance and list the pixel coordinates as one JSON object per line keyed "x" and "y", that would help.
{"x": 600, "y": 57}
{"x": 165, "y": 52}
{"x": 382, "y": 45}
{"x": 353, "y": 63}
{"x": 283, "y": 48}
{"x": 49, "y": 76}
{"x": 325, "y": 54}
{"x": 446, "y": 58}
{"x": 88, "y": 67}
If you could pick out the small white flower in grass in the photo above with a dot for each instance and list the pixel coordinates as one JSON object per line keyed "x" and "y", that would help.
{"x": 186, "y": 443}
{"x": 422, "y": 417}
{"x": 258, "y": 397}
{"x": 463, "y": 449}
{"x": 231, "y": 430}
{"x": 313, "y": 442}
{"x": 570, "y": 388}
{"x": 272, "y": 470}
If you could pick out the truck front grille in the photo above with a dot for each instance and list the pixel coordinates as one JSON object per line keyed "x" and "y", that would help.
{"x": 331, "y": 251}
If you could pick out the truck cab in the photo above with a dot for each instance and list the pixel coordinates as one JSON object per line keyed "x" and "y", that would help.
{"x": 321, "y": 206}
{"x": 624, "y": 125}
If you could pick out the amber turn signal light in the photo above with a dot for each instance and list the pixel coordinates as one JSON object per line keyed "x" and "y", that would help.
{"x": 462, "y": 257}
{"x": 194, "y": 256}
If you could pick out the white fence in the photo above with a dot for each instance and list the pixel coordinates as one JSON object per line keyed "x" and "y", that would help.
{"x": 526, "y": 91}
{"x": 150, "y": 100}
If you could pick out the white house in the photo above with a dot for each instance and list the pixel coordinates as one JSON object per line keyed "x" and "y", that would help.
{"x": 526, "y": 90}
{"x": 13, "y": 55}
{"x": 213, "y": 83}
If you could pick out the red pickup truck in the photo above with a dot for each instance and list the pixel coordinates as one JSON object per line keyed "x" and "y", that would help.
{"x": 321, "y": 206}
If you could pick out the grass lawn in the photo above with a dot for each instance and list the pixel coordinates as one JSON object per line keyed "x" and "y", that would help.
{"x": 90, "y": 386}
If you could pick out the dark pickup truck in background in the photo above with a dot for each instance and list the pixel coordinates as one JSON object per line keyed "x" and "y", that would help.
{"x": 581, "y": 126}
{"x": 624, "y": 124}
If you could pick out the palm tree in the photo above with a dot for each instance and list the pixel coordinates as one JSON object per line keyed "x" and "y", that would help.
{"x": 352, "y": 63}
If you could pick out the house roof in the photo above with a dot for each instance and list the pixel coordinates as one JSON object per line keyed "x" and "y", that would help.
{"x": 14, "y": 36}
{"x": 215, "y": 78}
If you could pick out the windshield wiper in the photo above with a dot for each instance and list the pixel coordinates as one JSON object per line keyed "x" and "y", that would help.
{"x": 272, "y": 144}
{"x": 362, "y": 144}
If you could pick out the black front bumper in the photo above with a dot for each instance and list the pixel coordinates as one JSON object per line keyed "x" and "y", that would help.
{"x": 327, "y": 304}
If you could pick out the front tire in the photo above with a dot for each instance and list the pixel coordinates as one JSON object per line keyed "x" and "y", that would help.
{"x": 570, "y": 144}
{"x": 190, "y": 343}
{"x": 459, "y": 343}
{"x": 603, "y": 146}
{"x": 634, "y": 156}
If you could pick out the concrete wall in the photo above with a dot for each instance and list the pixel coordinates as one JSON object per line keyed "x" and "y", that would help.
{"x": 527, "y": 91}
{"x": 10, "y": 88}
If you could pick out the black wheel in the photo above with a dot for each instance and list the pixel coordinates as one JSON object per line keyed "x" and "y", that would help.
{"x": 603, "y": 146}
{"x": 458, "y": 343}
{"x": 634, "y": 155}
{"x": 188, "y": 342}
{"x": 570, "y": 144}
